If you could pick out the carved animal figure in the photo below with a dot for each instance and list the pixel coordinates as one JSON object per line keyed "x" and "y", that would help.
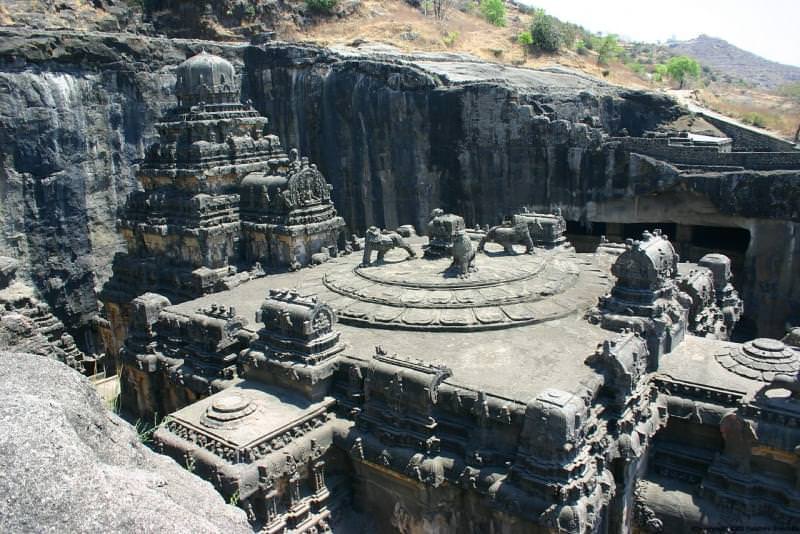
{"x": 507, "y": 236}
{"x": 383, "y": 243}
{"x": 463, "y": 254}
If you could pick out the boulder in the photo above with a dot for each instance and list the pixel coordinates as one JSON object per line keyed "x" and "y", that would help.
{"x": 68, "y": 464}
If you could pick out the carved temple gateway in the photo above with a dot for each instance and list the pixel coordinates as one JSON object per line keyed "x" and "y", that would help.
{"x": 526, "y": 387}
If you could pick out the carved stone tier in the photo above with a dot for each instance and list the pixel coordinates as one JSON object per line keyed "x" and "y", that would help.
{"x": 505, "y": 291}
{"x": 761, "y": 359}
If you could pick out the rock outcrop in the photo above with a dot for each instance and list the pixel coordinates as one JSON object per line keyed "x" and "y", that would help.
{"x": 70, "y": 465}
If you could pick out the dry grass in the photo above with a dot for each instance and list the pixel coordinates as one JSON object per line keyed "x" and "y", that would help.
{"x": 393, "y": 21}
{"x": 779, "y": 114}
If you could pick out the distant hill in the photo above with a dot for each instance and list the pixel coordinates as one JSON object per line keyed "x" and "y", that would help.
{"x": 736, "y": 63}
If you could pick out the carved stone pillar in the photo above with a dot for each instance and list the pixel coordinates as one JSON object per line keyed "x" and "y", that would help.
{"x": 318, "y": 479}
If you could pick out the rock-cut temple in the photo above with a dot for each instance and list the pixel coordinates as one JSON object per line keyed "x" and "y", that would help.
{"x": 470, "y": 380}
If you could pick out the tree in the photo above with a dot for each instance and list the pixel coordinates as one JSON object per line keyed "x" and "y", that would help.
{"x": 322, "y": 6}
{"x": 545, "y": 33}
{"x": 441, "y": 8}
{"x": 607, "y": 49}
{"x": 681, "y": 67}
{"x": 494, "y": 11}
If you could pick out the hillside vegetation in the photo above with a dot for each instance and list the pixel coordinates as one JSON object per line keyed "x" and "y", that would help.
{"x": 729, "y": 80}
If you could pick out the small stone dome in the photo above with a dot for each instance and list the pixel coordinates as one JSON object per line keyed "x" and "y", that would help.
{"x": 205, "y": 78}
{"x": 646, "y": 264}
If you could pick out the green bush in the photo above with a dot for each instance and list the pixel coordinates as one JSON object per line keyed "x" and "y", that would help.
{"x": 638, "y": 68}
{"x": 581, "y": 48}
{"x": 450, "y": 38}
{"x": 659, "y": 72}
{"x": 607, "y": 49}
{"x": 494, "y": 11}
{"x": 322, "y": 6}
{"x": 545, "y": 32}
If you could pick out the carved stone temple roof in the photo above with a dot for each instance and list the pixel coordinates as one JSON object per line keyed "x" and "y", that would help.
{"x": 205, "y": 78}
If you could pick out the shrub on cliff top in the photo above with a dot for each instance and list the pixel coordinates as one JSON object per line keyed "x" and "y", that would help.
{"x": 681, "y": 67}
{"x": 494, "y": 11}
{"x": 545, "y": 32}
{"x": 322, "y": 6}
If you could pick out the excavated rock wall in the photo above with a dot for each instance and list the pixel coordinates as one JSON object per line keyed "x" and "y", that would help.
{"x": 396, "y": 136}
{"x": 76, "y": 113}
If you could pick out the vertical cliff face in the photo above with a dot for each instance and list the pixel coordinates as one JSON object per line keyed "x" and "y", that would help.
{"x": 76, "y": 112}
{"x": 398, "y": 137}
{"x": 70, "y": 139}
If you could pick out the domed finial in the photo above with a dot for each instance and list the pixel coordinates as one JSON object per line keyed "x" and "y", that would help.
{"x": 206, "y": 78}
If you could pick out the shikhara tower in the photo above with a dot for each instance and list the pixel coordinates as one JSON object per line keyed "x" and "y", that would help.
{"x": 184, "y": 232}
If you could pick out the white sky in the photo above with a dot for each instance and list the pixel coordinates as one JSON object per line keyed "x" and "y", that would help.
{"x": 769, "y": 28}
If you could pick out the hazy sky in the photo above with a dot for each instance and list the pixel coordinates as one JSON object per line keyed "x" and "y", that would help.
{"x": 769, "y": 28}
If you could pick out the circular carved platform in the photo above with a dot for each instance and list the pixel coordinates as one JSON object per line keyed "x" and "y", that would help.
{"x": 761, "y": 359}
{"x": 226, "y": 409}
{"x": 421, "y": 294}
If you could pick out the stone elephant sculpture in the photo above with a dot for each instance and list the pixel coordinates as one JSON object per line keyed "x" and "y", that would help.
{"x": 507, "y": 236}
{"x": 375, "y": 240}
{"x": 463, "y": 254}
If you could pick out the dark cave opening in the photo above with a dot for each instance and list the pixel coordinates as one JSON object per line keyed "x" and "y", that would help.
{"x": 692, "y": 242}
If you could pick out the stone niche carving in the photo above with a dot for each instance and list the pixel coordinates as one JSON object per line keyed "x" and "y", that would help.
{"x": 211, "y": 341}
{"x": 716, "y": 306}
{"x": 298, "y": 327}
{"x": 287, "y": 213}
{"x": 727, "y": 298}
{"x": 553, "y": 425}
{"x": 296, "y": 346}
{"x": 645, "y": 298}
{"x": 442, "y": 230}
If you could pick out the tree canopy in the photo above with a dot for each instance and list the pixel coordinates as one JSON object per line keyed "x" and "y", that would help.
{"x": 545, "y": 32}
{"x": 681, "y": 67}
{"x": 494, "y": 11}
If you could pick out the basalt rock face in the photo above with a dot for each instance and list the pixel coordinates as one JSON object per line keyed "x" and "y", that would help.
{"x": 70, "y": 465}
{"x": 398, "y": 136}
{"x": 76, "y": 113}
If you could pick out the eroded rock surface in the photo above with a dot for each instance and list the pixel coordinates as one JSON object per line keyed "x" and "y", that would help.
{"x": 70, "y": 465}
